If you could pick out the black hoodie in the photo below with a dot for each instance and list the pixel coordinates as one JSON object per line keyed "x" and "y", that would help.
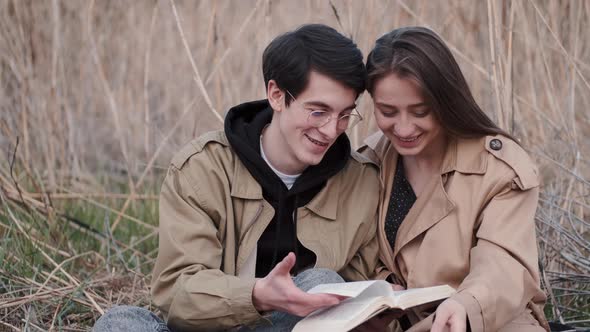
{"x": 243, "y": 127}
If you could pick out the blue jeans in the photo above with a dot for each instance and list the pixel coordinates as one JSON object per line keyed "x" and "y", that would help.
{"x": 132, "y": 319}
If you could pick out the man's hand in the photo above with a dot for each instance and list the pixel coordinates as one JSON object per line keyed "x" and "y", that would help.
{"x": 450, "y": 316}
{"x": 277, "y": 291}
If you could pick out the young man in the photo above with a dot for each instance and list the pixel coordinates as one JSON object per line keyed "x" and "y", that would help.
{"x": 277, "y": 193}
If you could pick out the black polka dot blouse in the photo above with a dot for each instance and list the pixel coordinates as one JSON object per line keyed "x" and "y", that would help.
{"x": 401, "y": 201}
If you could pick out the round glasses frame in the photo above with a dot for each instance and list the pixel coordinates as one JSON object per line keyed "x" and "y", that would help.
{"x": 318, "y": 119}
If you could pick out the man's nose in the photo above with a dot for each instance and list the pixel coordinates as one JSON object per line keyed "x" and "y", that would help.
{"x": 330, "y": 130}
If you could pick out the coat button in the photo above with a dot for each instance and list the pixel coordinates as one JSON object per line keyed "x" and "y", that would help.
{"x": 496, "y": 144}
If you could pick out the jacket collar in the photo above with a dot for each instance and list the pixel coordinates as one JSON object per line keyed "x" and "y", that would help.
{"x": 324, "y": 204}
{"x": 464, "y": 155}
{"x": 243, "y": 183}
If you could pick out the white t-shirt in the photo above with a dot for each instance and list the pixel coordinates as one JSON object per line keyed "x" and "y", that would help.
{"x": 287, "y": 179}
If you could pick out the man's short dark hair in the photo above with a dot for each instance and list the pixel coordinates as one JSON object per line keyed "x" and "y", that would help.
{"x": 290, "y": 58}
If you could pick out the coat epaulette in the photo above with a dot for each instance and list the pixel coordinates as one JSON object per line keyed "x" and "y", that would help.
{"x": 197, "y": 145}
{"x": 514, "y": 156}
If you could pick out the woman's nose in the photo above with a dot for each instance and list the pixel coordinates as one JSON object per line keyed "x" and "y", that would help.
{"x": 403, "y": 127}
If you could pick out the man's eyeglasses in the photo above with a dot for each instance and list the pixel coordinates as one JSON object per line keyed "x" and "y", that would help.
{"x": 319, "y": 118}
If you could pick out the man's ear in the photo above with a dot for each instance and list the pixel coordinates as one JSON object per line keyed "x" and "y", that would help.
{"x": 276, "y": 96}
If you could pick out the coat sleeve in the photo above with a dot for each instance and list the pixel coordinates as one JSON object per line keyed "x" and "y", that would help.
{"x": 503, "y": 274}
{"x": 363, "y": 264}
{"x": 187, "y": 283}
{"x": 364, "y": 256}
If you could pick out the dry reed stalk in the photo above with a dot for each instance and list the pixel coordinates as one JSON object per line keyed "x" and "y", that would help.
{"x": 350, "y": 11}
{"x": 451, "y": 45}
{"x": 508, "y": 96}
{"x": 143, "y": 239}
{"x": 74, "y": 195}
{"x": 43, "y": 295}
{"x": 149, "y": 166}
{"x": 4, "y": 175}
{"x": 118, "y": 213}
{"x": 37, "y": 205}
{"x": 548, "y": 84}
{"x": 10, "y": 326}
{"x": 205, "y": 94}
{"x": 57, "y": 251}
{"x": 55, "y": 312}
{"x": 59, "y": 267}
{"x": 210, "y": 29}
{"x": 531, "y": 83}
{"x": 571, "y": 108}
{"x": 197, "y": 76}
{"x": 30, "y": 235}
{"x": 146, "y": 117}
{"x": 229, "y": 48}
{"x": 560, "y": 44}
{"x": 24, "y": 115}
{"x": 551, "y": 296}
{"x": 42, "y": 243}
{"x": 16, "y": 193}
{"x": 109, "y": 94}
{"x": 495, "y": 62}
{"x": 48, "y": 258}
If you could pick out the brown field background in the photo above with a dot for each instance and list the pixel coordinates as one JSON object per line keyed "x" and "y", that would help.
{"x": 96, "y": 96}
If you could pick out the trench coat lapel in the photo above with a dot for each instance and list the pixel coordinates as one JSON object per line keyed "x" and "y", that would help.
{"x": 430, "y": 207}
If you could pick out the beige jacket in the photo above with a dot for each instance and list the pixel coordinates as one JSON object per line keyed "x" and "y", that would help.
{"x": 472, "y": 228}
{"x": 212, "y": 214}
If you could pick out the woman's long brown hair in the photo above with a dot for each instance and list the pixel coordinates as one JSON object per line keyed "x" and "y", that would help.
{"x": 420, "y": 54}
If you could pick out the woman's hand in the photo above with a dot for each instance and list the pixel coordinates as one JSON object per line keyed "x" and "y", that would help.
{"x": 450, "y": 316}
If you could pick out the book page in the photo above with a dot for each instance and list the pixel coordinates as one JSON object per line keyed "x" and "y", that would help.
{"x": 355, "y": 288}
{"x": 346, "y": 310}
{"x": 349, "y": 312}
{"x": 349, "y": 289}
{"x": 412, "y": 297}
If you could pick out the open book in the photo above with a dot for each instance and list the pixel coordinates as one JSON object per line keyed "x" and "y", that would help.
{"x": 365, "y": 300}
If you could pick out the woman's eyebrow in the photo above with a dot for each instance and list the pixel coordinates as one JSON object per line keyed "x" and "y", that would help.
{"x": 418, "y": 105}
{"x": 380, "y": 104}
{"x": 421, "y": 104}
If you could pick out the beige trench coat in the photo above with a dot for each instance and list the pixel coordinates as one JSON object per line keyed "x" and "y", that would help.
{"x": 472, "y": 228}
{"x": 212, "y": 214}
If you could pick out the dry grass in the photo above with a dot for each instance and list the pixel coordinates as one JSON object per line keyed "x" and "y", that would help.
{"x": 95, "y": 97}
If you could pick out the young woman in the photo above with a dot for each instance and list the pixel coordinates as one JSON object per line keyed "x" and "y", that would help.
{"x": 459, "y": 195}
